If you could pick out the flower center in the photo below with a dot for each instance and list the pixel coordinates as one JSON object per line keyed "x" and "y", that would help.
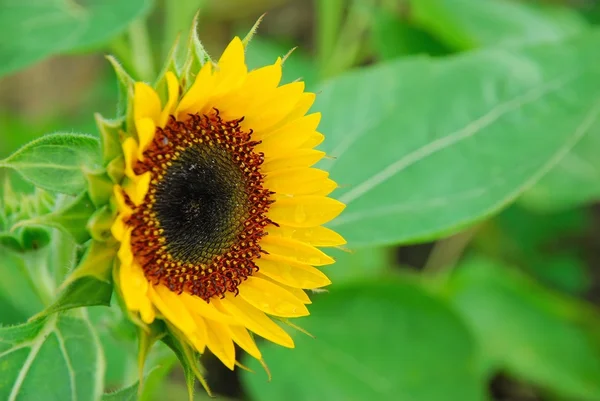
{"x": 205, "y": 211}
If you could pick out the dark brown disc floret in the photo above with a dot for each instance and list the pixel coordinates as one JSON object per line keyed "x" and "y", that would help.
{"x": 199, "y": 226}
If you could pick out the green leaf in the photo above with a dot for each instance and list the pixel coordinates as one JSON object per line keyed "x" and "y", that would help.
{"x": 380, "y": 341}
{"x": 31, "y": 32}
{"x": 16, "y": 286}
{"x": 52, "y": 360}
{"x": 471, "y": 23}
{"x": 55, "y": 162}
{"x": 466, "y": 24}
{"x": 119, "y": 345}
{"x": 126, "y": 394}
{"x": 431, "y": 146}
{"x": 575, "y": 181}
{"x": 527, "y": 330}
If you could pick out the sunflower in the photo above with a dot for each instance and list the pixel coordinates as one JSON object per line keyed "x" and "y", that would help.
{"x": 220, "y": 212}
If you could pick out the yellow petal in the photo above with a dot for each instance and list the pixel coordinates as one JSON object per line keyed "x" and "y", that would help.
{"x": 295, "y": 251}
{"x": 125, "y": 254}
{"x": 130, "y": 152}
{"x": 305, "y": 211}
{"x": 169, "y": 304}
{"x": 146, "y": 102}
{"x": 256, "y": 320}
{"x": 232, "y": 70}
{"x": 134, "y": 287}
{"x": 145, "y": 129}
{"x": 147, "y": 311}
{"x": 200, "y": 336}
{"x": 315, "y": 139}
{"x": 296, "y": 181}
{"x": 316, "y": 236}
{"x": 302, "y": 107}
{"x": 233, "y": 59}
{"x": 296, "y": 275}
{"x": 137, "y": 188}
{"x": 270, "y": 298}
{"x": 173, "y": 89}
{"x": 241, "y": 336}
{"x": 118, "y": 228}
{"x": 206, "y": 310}
{"x": 219, "y": 342}
{"x": 295, "y": 158}
{"x": 267, "y": 114}
{"x": 298, "y": 293}
{"x": 258, "y": 85}
{"x": 289, "y": 137}
{"x": 197, "y": 96}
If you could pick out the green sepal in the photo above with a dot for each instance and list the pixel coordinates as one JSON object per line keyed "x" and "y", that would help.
{"x": 85, "y": 291}
{"x": 252, "y": 31}
{"x": 125, "y": 105}
{"x": 70, "y": 218}
{"x": 116, "y": 169}
{"x": 188, "y": 358}
{"x": 147, "y": 337}
{"x": 169, "y": 65}
{"x": 97, "y": 262}
{"x": 195, "y": 58}
{"x": 99, "y": 224}
{"x": 100, "y": 187}
{"x": 110, "y": 135}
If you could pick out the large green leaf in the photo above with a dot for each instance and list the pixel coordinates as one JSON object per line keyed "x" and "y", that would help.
{"x": 56, "y": 162}
{"x": 466, "y": 24}
{"x": 573, "y": 182}
{"x": 527, "y": 330}
{"x": 33, "y": 30}
{"x": 56, "y": 359}
{"x": 125, "y": 394}
{"x": 374, "y": 341}
{"x": 472, "y": 23}
{"x": 422, "y": 148}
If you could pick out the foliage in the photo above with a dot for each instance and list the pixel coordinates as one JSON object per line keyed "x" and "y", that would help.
{"x": 473, "y": 124}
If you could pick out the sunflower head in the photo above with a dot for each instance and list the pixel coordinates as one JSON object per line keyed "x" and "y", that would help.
{"x": 219, "y": 211}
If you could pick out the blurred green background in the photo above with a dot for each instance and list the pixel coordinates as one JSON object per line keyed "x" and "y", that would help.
{"x": 500, "y": 305}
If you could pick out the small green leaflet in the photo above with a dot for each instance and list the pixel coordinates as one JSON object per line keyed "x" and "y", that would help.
{"x": 55, "y": 162}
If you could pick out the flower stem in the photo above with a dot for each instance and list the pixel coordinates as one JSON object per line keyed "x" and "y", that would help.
{"x": 448, "y": 251}
{"x": 329, "y": 19}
